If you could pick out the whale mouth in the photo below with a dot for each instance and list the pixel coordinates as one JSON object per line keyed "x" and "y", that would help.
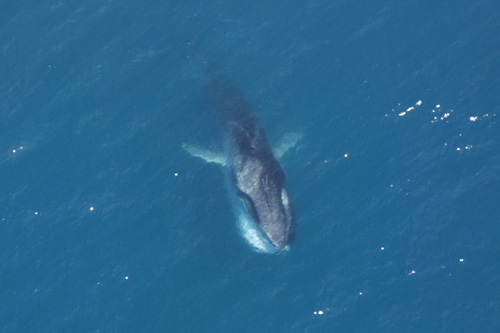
{"x": 252, "y": 234}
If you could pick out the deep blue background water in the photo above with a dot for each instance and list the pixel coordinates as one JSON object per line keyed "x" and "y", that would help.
{"x": 97, "y": 97}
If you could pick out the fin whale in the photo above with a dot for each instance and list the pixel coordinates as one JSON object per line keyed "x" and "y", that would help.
{"x": 254, "y": 172}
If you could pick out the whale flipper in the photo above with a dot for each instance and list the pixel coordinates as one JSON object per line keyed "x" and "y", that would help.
{"x": 207, "y": 155}
{"x": 287, "y": 142}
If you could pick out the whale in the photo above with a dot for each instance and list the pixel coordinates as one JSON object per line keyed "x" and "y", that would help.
{"x": 254, "y": 173}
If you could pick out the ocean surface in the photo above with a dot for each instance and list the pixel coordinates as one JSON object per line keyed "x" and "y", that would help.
{"x": 108, "y": 225}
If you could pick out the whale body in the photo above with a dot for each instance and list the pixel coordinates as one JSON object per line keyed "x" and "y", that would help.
{"x": 255, "y": 174}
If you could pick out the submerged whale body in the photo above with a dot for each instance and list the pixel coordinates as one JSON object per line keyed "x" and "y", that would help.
{"x": 254, "y": 171}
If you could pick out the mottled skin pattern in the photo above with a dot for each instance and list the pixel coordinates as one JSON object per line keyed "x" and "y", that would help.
{"x": 257, "y": 175}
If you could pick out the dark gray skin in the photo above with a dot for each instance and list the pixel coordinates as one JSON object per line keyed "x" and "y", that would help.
{"x": 256, "y": 174}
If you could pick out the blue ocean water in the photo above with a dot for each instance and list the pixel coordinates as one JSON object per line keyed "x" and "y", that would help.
{"x": 107, "y": 225}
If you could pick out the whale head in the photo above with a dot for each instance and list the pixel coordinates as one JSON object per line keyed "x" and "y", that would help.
{"x": 267, "y": 202}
